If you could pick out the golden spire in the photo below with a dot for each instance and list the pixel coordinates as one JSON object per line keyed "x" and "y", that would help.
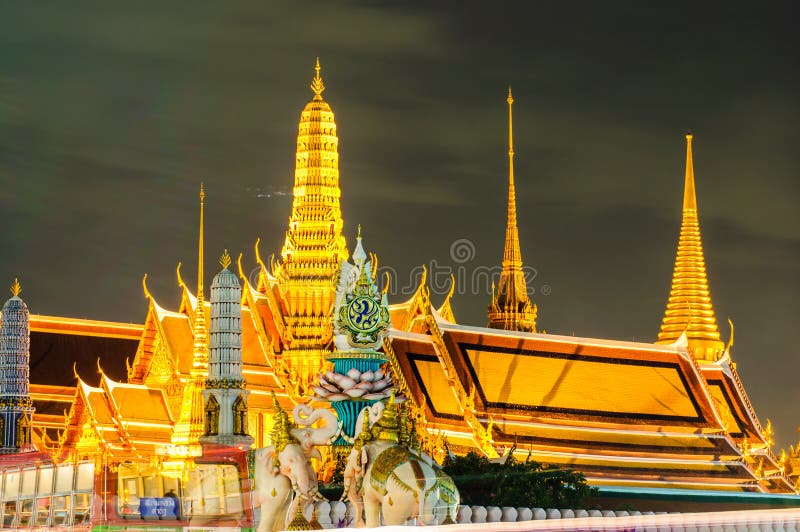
{"x": 225, "y": 260}
{"x": 16, "y": 288}
{"x": 190, "y": 424}
{"x": 316, "y": 84}
{"x": 689, "y": 306}
{"x": 200, "y": 246}
{"x": 314, "y": 247}
{"x": 511, "y": 308}
{"x": 200, "y": 358}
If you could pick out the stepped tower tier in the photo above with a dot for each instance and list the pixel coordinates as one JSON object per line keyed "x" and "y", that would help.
{"x": 689, "y": 307}
{"x": 224, "y": 393}
{"x": 314, "y": 246}
{"x": 511, "y": 308}
{"x": 16, "y": 409}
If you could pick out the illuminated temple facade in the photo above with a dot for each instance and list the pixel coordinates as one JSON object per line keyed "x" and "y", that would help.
{"x": 668, "y": 414}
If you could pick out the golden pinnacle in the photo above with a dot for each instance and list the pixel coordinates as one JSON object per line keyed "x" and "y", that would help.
{"x": 16, "y": 288}
{"x": 225, "y": 260}
{"x": 317, "y": 85}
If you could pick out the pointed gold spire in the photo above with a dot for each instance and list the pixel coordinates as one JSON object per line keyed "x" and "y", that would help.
{"x": 511, "y": 309}
{"x": 689, "y": 307}
{"x": 190, "y": 424}
{"x": 16, "y": 289}
{"x": 316, "y": 84}
{"x": 689, "y": 195}
{"x": 200, "y": 245}
{"x": 200, "y": 354}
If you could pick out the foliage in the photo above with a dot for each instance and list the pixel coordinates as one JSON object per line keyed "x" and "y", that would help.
{"x": 334, "y": 488}
{"x": 515, "y": 483}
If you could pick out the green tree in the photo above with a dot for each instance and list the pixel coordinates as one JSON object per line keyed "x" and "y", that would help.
{"x": 515, "y": 483}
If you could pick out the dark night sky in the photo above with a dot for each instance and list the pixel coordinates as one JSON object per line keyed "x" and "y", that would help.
{"x": 112, "y": 113}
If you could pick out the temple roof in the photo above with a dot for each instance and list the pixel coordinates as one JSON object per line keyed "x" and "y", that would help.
{"x": 58, "y": 344}
{"x": 620, "y": 412}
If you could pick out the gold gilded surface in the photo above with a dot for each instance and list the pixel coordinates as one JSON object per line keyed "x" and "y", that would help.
{"x": 190, "y": 425}
{"x": 441, "y": 397}
{"x": 385, "y": 464}
{"x": 689, "y": 307}
{"x": 602, "y": 387}
{"x": 511, "y": 308}
{"x": 561, "y": 435}
{"x": 314, "y": 246}
{"x": 728, "y": 419}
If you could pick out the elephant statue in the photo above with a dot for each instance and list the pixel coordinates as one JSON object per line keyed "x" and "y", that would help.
{"x": 276, "y": 477}
{"x": 285, "y": 478}
{"x": 384, "y": 478}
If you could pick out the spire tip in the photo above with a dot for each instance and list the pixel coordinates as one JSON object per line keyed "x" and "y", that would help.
{"x": 316, "y": 84}
{"x": 200, "y": 244}
{"x": 225, "y": 260}
{"x": 16, "y": 288}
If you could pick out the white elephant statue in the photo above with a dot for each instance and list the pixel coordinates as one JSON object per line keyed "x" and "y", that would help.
{"x": 386, "y": 479}
{"x": 284, "y": 475}
{"x": 276, "y": 475}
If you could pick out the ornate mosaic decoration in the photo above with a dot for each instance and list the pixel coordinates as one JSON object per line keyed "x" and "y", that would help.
{"x": 362, "y": 312}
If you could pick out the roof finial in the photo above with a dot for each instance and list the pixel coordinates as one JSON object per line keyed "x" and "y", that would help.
{"x": 317, "y": 85}
{"x": 200, "y": 246}
{"x": 512, "y": 196}
{"x": 689, "y": 196}
{"x": 16, "y": 288}
{"x": 359, "y": 255}
{"x": 147, "y": 293}
{"x": 225, "y": 260}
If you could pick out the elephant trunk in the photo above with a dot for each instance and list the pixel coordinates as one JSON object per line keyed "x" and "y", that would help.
{"x": 305, "y": 417}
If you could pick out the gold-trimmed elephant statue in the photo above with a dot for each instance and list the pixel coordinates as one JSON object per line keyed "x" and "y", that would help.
{"x": 284, "y": 476}
{"x": 391, "y": 483}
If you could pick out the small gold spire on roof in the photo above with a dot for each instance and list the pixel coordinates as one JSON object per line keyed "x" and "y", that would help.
{"x": 316, "y": 84}
{"x": 225, "y": 260}
{"x": 16, "y": 288}
{"x": 359, "y": 231}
